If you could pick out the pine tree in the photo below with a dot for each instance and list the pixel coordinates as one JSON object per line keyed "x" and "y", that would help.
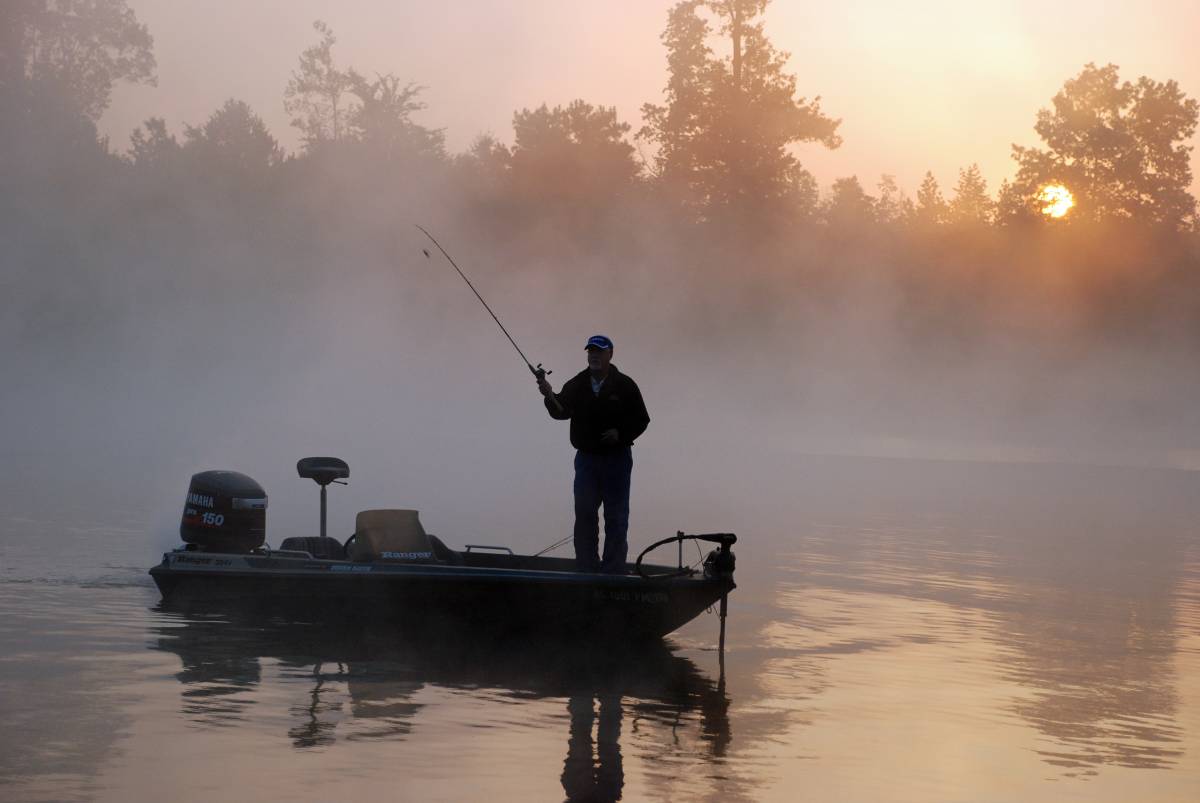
{"x": 971, "y": 204}
{"x": 848, "y": 205}
{"x": 931, "y": 206}
{"x": 724, "y": 134}
{"x": 892, "y": 205}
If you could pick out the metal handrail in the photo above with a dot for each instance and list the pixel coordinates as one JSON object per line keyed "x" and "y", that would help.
{"x": 489, "y": 546}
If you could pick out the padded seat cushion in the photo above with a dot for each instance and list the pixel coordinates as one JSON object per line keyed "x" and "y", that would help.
{"x": 391, "y": 535}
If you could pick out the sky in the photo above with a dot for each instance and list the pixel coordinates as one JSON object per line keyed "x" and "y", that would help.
{"x": 921, "y": 85}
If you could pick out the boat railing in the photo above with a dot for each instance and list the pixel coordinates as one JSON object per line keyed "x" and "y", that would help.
{"x": 489, "y": 546}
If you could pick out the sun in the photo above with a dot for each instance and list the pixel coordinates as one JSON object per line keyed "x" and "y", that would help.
{"x": 1057, "y": 200}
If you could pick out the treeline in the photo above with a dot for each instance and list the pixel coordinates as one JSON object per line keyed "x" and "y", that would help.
{"x": 708, "y": 191}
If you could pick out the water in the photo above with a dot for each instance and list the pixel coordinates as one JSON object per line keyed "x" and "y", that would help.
{"x": 903, "y": 631}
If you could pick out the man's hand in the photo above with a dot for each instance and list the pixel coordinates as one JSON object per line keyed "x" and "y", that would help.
{"x": 544, "y": 386}
{"x": 610, "y": 437}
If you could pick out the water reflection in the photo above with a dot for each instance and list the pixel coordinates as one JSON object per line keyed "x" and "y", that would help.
{"x": 370, "y": 683}
{"x": 317, "y": 715}
{"x": 1075, "y": 607}
{"x": 217, "y": 684}
{"x": 594, "y": 773}
{"x": 1094, "y": 636}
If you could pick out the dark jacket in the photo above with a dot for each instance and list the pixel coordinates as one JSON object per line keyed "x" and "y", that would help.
{"x": 619, "y": 406}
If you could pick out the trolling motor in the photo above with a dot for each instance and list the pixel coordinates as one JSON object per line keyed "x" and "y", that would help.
{"x": 718, "y": 564}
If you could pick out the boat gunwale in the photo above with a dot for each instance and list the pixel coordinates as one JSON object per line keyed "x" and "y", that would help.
{"x": 313, "y": 568}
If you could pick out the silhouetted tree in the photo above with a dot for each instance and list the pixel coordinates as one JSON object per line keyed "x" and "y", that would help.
{"x": 382, "y": 119}
{"x": 316, "y": 93}
{"x": 482, "y": 174}
{"x": 892, "y": 205}
{"x": 724, "y": 134}
{"x": 971, "y": 203}
{"x": 848, "y": 205}
{"x": 154, "y": 148}
{"x": 1012, "y": 208}
{"x": 74, "y": 49}
{"x": 803, "y": 197}
{"x": 576, "y": 153}
{"x": 931, "y": 207}
{"x": 1118, "y": 147}
{"x": 488, "y": 160}
{"x": 234, "y": 140}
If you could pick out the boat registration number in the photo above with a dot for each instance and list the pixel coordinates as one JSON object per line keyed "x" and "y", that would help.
{"x": 644, "y": 597}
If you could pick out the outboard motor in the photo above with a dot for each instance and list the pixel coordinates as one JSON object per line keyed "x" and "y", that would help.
{"x": 225, "y": 512}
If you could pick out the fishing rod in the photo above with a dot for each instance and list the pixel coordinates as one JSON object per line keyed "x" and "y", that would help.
{"x": 539, "y": 372}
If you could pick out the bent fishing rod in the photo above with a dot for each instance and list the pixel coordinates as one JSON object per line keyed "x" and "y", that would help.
{"x": 539, "y": 372}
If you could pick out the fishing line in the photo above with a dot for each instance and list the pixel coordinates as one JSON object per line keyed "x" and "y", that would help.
{"x": 539, "y": 372}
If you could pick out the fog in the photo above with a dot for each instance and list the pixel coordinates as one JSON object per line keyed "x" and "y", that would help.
{"x": 161, "y": 320}
{"x": 930, "y": 85}
{"x": 229, "y": 354}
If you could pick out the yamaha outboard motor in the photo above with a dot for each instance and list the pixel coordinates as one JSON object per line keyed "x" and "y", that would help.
{"x": 225, "y": 512}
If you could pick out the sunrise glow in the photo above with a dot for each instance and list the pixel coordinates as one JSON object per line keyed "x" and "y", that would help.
{"x": 1057, "y": 200}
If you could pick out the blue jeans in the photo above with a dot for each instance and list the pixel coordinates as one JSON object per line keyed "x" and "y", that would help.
{"x": 602, "y": 479}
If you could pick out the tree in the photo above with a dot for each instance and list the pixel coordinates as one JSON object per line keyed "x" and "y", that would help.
{"x": 74, "y": 49}
{"x": 1118, "y": 147}
{"x": 1011, "y": 208}
{"x": 488, "y": 160}
{"x": 971, "y": 203}
{"x": 576, "y": 153}
{"x": 931, "y": 208}
{"x": 382, "y": 118}
{"x": 725, "y": 132}
{"x": 316, "y": 92}
{"x": 234, "y": 140}
{"x": 155, "y": 148}
{"x": 848, "y": 205}
{"x": 892, "y": 205}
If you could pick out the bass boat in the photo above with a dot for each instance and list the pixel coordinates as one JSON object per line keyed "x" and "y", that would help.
{"x": 391, "y": 568}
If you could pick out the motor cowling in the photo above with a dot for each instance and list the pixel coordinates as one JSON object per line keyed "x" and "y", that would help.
{"x": 225, "y": 511}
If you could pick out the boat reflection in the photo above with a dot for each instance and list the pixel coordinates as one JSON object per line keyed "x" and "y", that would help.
{"x": 364, "y": 682}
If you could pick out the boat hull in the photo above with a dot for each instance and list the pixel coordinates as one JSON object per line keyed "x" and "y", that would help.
{"x": 542, "y": 599}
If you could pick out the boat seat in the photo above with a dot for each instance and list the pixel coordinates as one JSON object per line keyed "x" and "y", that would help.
{"x": 323, "y": 470}
{"x": 391, "y": 535}
{"x": 320, "y": 548}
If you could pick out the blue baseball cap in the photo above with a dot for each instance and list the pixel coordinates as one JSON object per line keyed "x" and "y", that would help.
{"x": 598, "y": 341}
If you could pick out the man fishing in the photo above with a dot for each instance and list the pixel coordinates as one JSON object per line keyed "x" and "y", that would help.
{"x": 607, "y": 415}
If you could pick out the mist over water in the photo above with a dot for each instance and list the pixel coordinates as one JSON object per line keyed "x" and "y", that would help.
{"x": 961, "y": 458}
{"x": 247, "y": 345}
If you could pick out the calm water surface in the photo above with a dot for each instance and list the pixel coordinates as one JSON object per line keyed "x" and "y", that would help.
{"x": 902, "y": 632}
